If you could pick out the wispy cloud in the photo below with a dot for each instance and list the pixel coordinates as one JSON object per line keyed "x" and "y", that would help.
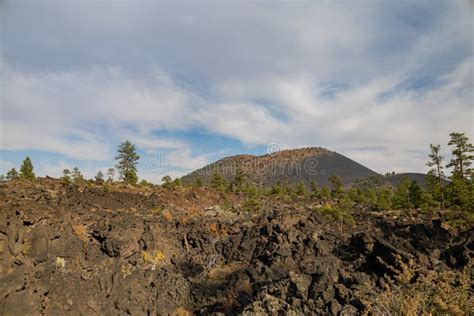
{"x": 386, "y": 75}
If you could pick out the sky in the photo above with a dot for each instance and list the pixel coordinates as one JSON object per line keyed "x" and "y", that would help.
{"x": 190, "y": 82}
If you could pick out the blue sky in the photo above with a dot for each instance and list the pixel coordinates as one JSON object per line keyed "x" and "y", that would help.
{"x": 192, "y": 82}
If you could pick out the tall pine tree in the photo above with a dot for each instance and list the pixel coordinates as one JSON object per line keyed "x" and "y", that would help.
{"x": 26, "y": 170}
{"x": 127, "y": 160}
{"x": 337, "y": 187}
{"x": 462, "y": 154}
{"x": 436, "y": 165}
{"x": 218, "y": 182}
{"x": 415, "y": 194}
{"x": 401, "y": 197}
{"x": 77, "y": 175}
{"x": 12, "y": 174}
{"x": 239, "y": 180}
{"x": 314, "y": 190}
{"x": 461, "y": 188}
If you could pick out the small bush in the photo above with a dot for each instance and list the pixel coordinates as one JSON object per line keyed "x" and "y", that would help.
{"x": 152, "y": 258}
{"x": 338, "y": 214}
{"x": 218, "y": 182}
{"x": 459, "y": 219}
{"x": 169, "y": 183}
{"x": 145, "y": 184}
{"x": 252, "y": 204}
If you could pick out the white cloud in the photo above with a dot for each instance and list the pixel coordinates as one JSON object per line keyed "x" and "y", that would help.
{"x": 403, "y": 124}
{"x": 76, "y": 113}
{"x": 297, "y": 73}
{"x": 354, "y": 118}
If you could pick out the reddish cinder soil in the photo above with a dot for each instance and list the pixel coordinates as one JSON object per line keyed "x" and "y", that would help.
{"x": 82, "y": 250}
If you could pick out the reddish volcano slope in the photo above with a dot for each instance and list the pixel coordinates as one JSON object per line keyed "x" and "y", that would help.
{"x": 288, "y": 166}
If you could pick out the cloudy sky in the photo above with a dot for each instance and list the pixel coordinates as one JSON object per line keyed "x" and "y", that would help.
{"x": 190, "y": 82}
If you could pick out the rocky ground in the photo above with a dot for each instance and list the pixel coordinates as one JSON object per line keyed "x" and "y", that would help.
{"x": 91, "y": 250}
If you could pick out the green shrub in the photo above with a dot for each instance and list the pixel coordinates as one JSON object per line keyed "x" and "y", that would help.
{"x": 252, "y": 205}
{"x": 339, "y": 214}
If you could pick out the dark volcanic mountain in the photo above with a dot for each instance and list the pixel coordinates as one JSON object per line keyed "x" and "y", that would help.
{"x": 292, "y": 166}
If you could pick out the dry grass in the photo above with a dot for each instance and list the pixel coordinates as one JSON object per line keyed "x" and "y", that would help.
{"x": 81, "y": 232}
{"x": 437, "y": 293}
{"x": 184, "y": 219}
{"x": 167, "y": 215}
{"x": 127, "y": 269}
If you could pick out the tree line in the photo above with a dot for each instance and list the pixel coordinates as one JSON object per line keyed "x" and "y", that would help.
{"x": 127, "y": 161}
{"x": 439, "y": 192}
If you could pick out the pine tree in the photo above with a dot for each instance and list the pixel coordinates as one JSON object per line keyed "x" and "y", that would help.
{"x": 110, "y": 174}
{"x": 145, "y": 183}
{"x": 12, "y": 174}
{"x": 77, "y": 175}
{"x": 436, "y": 165}
{"x": 427, "y": 201}
{"x": 127, "y": 160}
{"x": 287, "y": 188}
{"x": 197, "y": 183}
{"x": 251, "y": 190}
{"x": 401, "y": 198}
{"x": 461, "y": 188}
{"x": 239, "y": 180}
{"x": 66, "y": 178}
{"x": 99, "y": 178}
{"x": 357, "y": 195}
{"x": 277, "y": 189}
{"x": 370, "y": 197}
{"x": 462, "y": 154}
{"x": 314, "y": 189}
{"x": 384, "y": 199}
{"x": 218, "y": 182}
{"x": 325, "y": 193}
{"x": 26, "y": 170}
{"x": 167, "y": 182}
{"x": 433, "y": 188}
{"x": 460, "y": 192}
{"x": 470, "y": 200}
{"x": 300, "y": 189}
{"x": 415, "y": 194}
{"x": 176, "y": 182}
{"x": 337, "y": 187}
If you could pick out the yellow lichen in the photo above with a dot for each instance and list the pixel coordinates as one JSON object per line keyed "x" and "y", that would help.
{"x": 60, "y": 262}
{"x": 153, "y": 257}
